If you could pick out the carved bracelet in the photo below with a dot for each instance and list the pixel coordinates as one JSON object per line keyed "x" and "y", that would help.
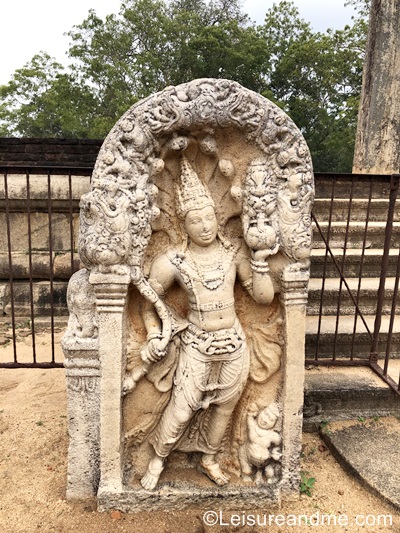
{"x": 154, "y": 335}
{"x": 261, "y": 267}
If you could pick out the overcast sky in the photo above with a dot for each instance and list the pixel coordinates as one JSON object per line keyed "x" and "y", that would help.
{"x": 29, "y": 26}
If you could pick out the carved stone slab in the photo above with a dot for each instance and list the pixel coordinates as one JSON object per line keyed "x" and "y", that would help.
{"x": 196, "y": 238}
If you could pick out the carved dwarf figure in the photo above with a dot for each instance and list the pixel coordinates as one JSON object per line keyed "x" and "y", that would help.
{"x": 213, "y": 363}
{"x": 82, "y": 323}
{"x": 262, "y": 450}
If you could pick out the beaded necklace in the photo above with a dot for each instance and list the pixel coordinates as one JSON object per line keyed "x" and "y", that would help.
{"x": 211, "y": 275}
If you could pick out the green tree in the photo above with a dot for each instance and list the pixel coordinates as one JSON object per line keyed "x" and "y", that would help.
{"x": 150, "y": 44}
{"x": 316, "y": 79}
{"x": 41, "y": 100}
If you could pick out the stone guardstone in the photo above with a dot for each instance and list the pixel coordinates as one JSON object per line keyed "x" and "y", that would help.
{"x": 185, "y": 344}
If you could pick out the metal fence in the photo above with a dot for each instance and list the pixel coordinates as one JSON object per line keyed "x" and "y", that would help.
{"x": 352, "y": 315}
{"x": 38, "y": 253}
{"x": 356, "y": 266}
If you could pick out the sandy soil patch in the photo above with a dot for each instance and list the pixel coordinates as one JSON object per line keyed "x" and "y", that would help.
{"x": 33, "y": 461}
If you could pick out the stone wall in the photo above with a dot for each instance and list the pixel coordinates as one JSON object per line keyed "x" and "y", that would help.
{"x": 56, "y": 152}
{"x": 50, "y": 253}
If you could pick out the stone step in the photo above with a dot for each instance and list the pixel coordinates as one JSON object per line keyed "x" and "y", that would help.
{"x": 353, "y": 258}
{"x": 378, "y": 209}
{"x": 375, "y": 235}
{"x": 344, "y": 337}
{"x": 367, "y": 300}
{"x": 342, "y": 188}
{"x": 333, "y": 393}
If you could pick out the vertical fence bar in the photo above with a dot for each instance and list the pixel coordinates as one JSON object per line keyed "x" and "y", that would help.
{"x": 342, "y": 267}
{"x": 394, "y": 187}
{"x": 328, "y": 234}
{"x": 361, "y": 269}
{"x": 29, "y": 214}
{"x": 51, "y": 264}
{"x": 10, "y": 266}
{"x": 392, "y": 316}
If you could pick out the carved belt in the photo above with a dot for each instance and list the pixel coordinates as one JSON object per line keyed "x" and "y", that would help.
{"x": 212, "y": 306}
{"x": 214, "y": 343}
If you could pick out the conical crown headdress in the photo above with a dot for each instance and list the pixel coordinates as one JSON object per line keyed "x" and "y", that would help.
{"x": 190, "y": 192}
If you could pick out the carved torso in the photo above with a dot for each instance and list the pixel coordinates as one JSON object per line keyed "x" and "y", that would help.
{"x": 209, "y": 285}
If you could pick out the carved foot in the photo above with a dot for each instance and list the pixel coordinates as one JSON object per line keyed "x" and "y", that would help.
{"x": 213, "y": 471}
{"x": 150, "y": 479}
{"x": 128, "y": 385}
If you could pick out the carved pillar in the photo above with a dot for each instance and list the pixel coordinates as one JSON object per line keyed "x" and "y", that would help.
{"x": 83, "y": 377}
{"x": 294, "y": 299}
{"x": 111, "y": 296}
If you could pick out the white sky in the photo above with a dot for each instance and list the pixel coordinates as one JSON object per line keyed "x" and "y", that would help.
{"x": 29, "y": 26}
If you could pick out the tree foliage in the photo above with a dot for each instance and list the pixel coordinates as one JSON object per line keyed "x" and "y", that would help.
{"x": 150, "y": 44}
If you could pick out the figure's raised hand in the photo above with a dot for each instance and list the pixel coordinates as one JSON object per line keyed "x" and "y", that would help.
{"x": 153, "y": 351}
{"x": 260, "y": 236}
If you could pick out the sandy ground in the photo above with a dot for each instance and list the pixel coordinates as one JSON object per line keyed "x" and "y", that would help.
{"x": 33, "y": 462}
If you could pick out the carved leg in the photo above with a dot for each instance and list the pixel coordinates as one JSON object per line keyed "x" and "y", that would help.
{"x": 218, "y": 422}
{"x": 171, "y": 427}
{"x": 155, "y": 467}
{"x": 269, "y": 472}
{"x": 246, "y": 469}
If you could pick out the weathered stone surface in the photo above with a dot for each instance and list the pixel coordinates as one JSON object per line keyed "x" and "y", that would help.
{"x": 371, "y": 453}
{"x": 197, "y": 191}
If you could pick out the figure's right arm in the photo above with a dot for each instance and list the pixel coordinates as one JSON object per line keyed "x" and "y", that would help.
{"x": 162, "y": 276}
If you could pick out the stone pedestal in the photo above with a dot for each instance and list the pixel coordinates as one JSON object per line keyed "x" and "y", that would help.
{"x": 83, "y": 395}
{"x": 294, "y": 301}
{"x": 111, "y": 292}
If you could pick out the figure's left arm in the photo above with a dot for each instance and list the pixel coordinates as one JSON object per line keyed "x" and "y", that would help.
{"x": 253, "y": 271}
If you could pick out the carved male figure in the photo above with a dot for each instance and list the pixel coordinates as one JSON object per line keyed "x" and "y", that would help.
{"x": 213, "y": 361}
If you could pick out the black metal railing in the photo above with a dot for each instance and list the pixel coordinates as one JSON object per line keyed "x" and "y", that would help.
{"x": 352, "y": 316}
{"x": 357, "y": 323}
{"x": 40, "y": 211}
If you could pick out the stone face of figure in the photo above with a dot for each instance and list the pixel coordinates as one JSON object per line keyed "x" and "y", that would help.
{"x": 213, "y": 361}
{"x": 201, "y": 226}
